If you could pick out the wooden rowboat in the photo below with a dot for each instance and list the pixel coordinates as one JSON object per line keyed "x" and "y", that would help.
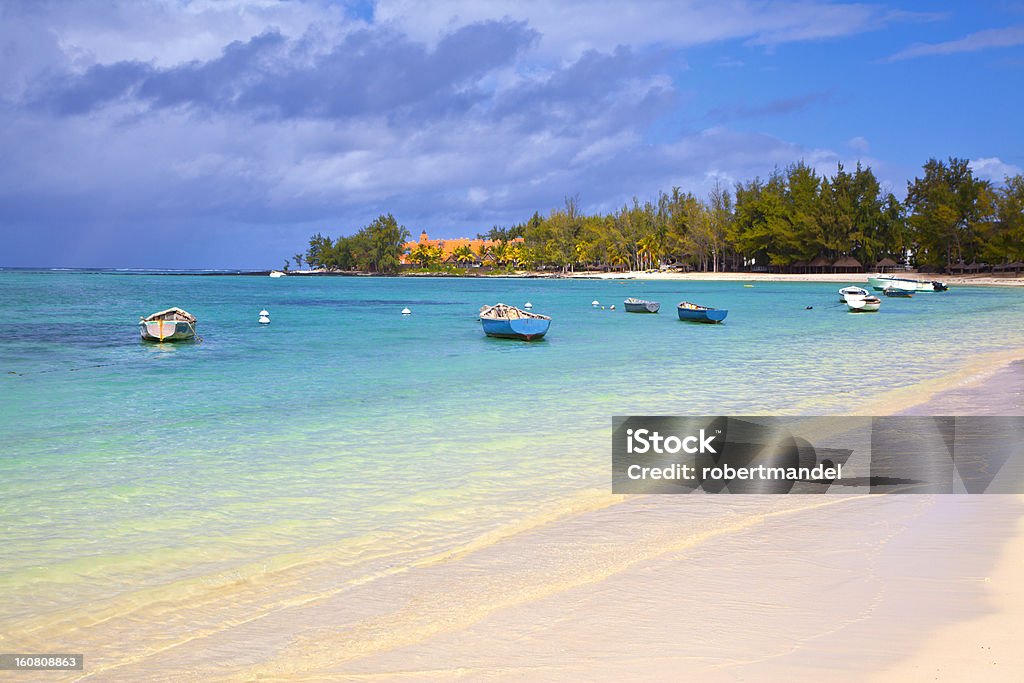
{"x": 640, "y": 306}
{"x": 171, "y": 325}
{"x": 701, "y": 314}
{"x": 509, "y": 322}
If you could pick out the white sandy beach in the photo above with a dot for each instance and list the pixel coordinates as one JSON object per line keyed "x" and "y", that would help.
{"x": 988, "y": 280}
{"x": 663, "y": 588}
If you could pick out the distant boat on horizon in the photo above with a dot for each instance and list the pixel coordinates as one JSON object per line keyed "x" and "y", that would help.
{"x": 509, "y": 322}
{"x": 691, "y": 312}
{"x": 634, "y": 305}
{"x": 170, "y": 325}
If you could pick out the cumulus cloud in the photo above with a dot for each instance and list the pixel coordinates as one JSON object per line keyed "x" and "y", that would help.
{"x": 368, "y": 71}
{"x": 859, "y": 144}
{"x": 134, "y": 124}
{"x": 993, "y": 168}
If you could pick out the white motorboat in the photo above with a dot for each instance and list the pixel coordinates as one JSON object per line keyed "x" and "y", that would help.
{"x": 863, "y": 304}
{"x": 882, "y": 282}
{"x": 855, "y": 291}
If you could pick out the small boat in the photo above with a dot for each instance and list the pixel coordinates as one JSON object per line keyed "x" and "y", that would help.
{"x": 856, "y": 291}
{"x": 640, "y": 306}
{"x": 897, "y": 292}
{"x": 863, "y": 304}
{"x": 509, "y": 322}
{"x": 880, "y": 282}
{"x": 702, "y": 314}
{"x": 171, "y": 325}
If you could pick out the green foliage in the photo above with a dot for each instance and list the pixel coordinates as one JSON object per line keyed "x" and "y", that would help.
{"x": 949, "y": 208}
{"x": 793, "y": 217}
{"x": 1003, "y": 238}
{"x": 464, "y": 254}
{"x": 376, "y": 248}
{"x": 426, "y": 255}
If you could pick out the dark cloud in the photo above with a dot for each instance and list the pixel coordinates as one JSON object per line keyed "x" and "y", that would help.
{"x": 594, "y": 86}
{"x": 239, "y": 133}
{"x": 371, "y": 71}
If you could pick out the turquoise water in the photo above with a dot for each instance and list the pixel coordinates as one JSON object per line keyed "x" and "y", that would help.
{"x": 345, "y": 435}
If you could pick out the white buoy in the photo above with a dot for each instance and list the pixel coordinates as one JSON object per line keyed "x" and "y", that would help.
{"x": 264, "y": 312}
{"x": 595, "y": 303}
{"x": 264, "y": 317}
{"x": 613, "y": 307}
{"x": 528, "y": 305}
{"x": 406, "y": 311}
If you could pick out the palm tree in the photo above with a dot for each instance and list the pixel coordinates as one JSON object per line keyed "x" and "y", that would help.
{"x": 464, "y": 254}
{"x": 516, "y": 254}
{"x": 425, "y": 254}
{"x": 500, "y": 252}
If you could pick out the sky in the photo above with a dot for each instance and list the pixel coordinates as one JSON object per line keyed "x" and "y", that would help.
{"x": 203, "y": 134}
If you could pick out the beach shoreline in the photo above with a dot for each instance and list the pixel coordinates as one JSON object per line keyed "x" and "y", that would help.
{"x": 986, "y": 280}
{"x": 952, "y": 280}
{"x": 980, "y": 646}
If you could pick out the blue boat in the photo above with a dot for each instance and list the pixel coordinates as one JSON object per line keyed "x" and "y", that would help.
{"x": 509, "y": 322}
{"x": 701, "y": 314}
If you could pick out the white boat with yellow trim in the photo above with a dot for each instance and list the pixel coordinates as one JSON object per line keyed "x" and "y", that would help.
{"x": 171, "y": 325}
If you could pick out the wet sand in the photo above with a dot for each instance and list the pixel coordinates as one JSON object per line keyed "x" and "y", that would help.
{"x": 1002, "y": 393}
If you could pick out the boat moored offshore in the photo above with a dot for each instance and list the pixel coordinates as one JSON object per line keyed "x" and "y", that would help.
{"x": 863, "y": 304}
{"x": 855, "y": 291}
{"x": 170, "y": 325}
{"x": 509, "y": 322}
{"x": 641, "y": 306}
{"x": 880, "y": 282}
{"x": 691, "y": 312}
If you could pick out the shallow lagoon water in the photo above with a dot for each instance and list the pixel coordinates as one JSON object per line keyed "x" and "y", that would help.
{"x": 347, "y": 435}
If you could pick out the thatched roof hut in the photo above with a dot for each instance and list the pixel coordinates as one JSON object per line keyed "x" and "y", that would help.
{"x": 847, "y": 264}
{"x": 885, "y": 265}
{"x": 818, "y": 265}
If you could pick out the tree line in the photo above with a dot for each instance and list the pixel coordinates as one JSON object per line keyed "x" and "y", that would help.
{"x": 376, "y": 248}
{"x": 949, "y": 216}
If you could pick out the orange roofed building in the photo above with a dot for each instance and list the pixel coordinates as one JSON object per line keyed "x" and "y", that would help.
{"x": 448, "y": 247}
